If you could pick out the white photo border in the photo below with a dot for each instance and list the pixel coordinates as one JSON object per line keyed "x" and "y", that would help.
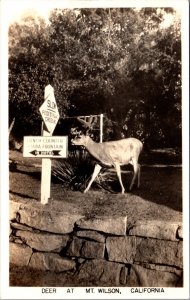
{"x": 8, "y": 292}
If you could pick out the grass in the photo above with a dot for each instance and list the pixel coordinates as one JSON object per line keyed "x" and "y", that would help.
{"x": 159, "y": 196}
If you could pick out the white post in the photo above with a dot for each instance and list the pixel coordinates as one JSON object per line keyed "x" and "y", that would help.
{"x": 48, "y": 108}
{"x": 45, "y": 176}
{"x": 101, "y": 128}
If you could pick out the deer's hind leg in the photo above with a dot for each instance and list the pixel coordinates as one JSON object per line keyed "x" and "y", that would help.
{"x": 118, "y": 171}
{"x": 136, "y": 168}
{"x": 139, "y": 175}
{"x": 97, "y": 169}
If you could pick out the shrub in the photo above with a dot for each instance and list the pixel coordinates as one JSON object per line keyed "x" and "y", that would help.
{"x": 75, "y": 171}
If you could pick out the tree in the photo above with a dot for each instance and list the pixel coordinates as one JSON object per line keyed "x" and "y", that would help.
{"x": 29, "y": 72}
{"x": 119, "y": 61}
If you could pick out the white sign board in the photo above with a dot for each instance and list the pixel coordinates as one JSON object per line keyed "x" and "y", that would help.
{"x": 49, "y": 110}
{"x": 45, "y": 146}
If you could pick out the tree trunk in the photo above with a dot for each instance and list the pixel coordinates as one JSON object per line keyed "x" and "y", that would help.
{"x": 11, "y": 126}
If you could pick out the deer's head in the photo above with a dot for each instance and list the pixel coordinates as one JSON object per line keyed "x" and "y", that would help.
{"x": 82, "y": 140}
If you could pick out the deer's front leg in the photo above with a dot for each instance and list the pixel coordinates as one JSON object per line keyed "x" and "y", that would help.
{"x": 97, "y": 169}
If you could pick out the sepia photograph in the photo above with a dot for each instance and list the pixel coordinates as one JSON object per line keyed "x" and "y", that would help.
{"x": 95, "y": 197}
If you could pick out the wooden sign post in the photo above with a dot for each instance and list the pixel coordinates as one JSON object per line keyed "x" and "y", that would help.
{"x": 47, "y": 146}
{"x": 45, "y": 176}
{"x": 101, "y": 128}
{"x": 50, "y": 115}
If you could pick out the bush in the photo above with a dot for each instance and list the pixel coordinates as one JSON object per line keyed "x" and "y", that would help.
{"x": 75, "y": 172}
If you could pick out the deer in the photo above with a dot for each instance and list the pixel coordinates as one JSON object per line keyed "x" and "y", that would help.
{"x": 113, "y": 154}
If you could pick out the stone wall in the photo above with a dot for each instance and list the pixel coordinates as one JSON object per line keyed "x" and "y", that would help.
{"x": 96, "y": 251}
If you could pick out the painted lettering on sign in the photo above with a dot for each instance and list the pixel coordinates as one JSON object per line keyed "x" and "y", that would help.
{"x": 38, "y": 146}
{"x": 51, "y": 104}
{"x": 49, "y": 110}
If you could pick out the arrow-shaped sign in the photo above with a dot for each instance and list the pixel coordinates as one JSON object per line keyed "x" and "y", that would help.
{"x": 45, "y": 146}
{"x": 37, "y": 153}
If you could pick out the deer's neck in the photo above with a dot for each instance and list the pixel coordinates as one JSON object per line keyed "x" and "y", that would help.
{"x": 93, "y": 148}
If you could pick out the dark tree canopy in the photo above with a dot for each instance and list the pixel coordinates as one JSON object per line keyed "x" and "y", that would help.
{"x": 122, "y": 62}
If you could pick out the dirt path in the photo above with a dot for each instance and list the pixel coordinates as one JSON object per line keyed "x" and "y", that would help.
{"x": 159, "y": 197}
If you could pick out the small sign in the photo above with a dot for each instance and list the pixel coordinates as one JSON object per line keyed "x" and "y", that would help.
{"x": 45, "y": 146}
{"x": 49, "y": 110}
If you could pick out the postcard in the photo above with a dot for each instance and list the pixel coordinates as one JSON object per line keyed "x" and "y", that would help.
{"x": 94, "y": 149}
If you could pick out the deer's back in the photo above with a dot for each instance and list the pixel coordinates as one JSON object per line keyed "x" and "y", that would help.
{"x": 121, "y": 151}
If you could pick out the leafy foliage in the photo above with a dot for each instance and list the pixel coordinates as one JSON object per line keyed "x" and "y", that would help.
{"x": 75, "y": 171}
{"x": 122, "y": 62}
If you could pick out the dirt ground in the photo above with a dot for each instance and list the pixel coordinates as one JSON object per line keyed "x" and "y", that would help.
{"x": 158, "y": 198}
